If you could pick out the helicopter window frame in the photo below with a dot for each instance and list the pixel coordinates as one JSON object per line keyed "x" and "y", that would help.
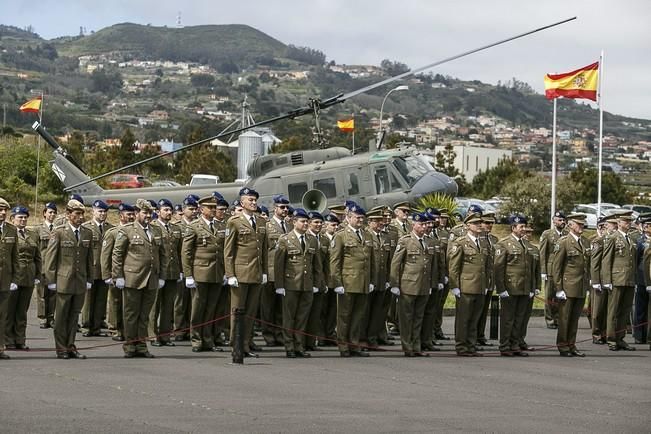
{"x": 353, "y": 180}
{"x": 390, "y": 178}
{"x": 294, "y": 189}
{"x": 410, "y": 168}
{"x": 327, "y": 186}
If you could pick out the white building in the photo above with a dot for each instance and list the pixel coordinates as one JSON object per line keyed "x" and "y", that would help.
{"x": 470, "y": 160}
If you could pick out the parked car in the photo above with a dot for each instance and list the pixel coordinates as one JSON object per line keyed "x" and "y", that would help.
{"x": 128, "y": 181}
{"x": 642, "y": 209}
{"x": 463, "y": 203}
{"x": 165, "y": 183}
{"x": 201, "y": 179}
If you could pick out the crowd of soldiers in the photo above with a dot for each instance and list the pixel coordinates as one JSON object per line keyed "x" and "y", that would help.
{"x": 352, "y": 278}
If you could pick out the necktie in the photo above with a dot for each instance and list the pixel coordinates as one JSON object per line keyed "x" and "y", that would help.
{"x": 379, "y": 240}
{"x": 580, "y": 243}
{"x": 359, "y": 235}
{"x": 147, "y": 233}
{"x": 51, "y": 227}
{"x": 303, "y": 243}
{"x": 422, "y": 245}
{"x": 212, "y": 228}
{"x": 627, "y": 240}
{"x": 477, "y": 242}
{"x": 404, "y": 227}
{"x": 101, "y": 229}
{"x": 22, "y": 233}
{"x": 253, "y": 224}
{"x": 282, "y": 225}
{"x": 167, "y": 227}
{"x": 77, "y": 234}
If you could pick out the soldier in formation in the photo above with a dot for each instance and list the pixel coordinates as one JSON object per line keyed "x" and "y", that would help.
{"x": 8, "y": 269}
{"x": 45, "y": 299}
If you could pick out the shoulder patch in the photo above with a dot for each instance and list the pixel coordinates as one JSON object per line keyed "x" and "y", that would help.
{"x": 498, "y": 251}
{"x": 455, "y": 248}
{"x": 398, "y": 247}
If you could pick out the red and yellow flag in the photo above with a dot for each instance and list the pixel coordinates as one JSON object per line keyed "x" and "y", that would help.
{"x": 31, "y": 106}
{"x": 346, "y": 125}
{"x": 581, "y": 83}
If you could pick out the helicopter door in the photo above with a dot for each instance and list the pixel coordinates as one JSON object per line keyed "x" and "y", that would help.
{"x": 387, "y": 188}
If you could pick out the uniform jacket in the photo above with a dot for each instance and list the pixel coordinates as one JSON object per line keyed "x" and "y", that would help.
{"x": 106, "y": 253}
{"x": 29, "y": 259}
{"x": 596, "y": 254}
{"x": 8, "y": 255}
{"x": 98, "y": 239}
{"x": 351, "y": 260}
{"x": 489, "y": 242}
{"x": 274, "y": 232}
{"x": 136, "y": 258}
{"x": 536, "y": 279}
{"x": 398, "y": 225}
{"x": 172, "y": 240}
{"x": 469, "y": 266}
{"x": 245, "y": 250}
{"x": 296, "y": 270}
{"x": 413, "y": 269}
{"x": 44, "y": 233}
{"x": 323, "y": 260}
{"x": 513, "y": 267}
{"x": 548, "y": 241}
{"x": 68, "y": 263}
{"x": 571, "y": 266}
{"x": 618, "y": 261}
{"x": 382, "y": 264}
{"x": 202, "y": 252}
{"x": 642, "y": 244}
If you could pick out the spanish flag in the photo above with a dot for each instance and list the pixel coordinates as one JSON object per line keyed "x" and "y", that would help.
{"x": 581, "y": 83}
{"x": 347, "y": 125}
{"x": 31, "y": 106}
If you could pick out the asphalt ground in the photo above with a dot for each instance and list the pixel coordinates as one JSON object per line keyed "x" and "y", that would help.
{"x": 181, "y": 391}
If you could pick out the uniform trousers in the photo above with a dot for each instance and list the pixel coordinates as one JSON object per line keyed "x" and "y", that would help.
{"x": 512, "y": 313}
{"x": 66, "y": 317}
{"x": 271, "y": 312}
{"x": 525, "y": 323}
{"x": 378, "y": 308}
{"x": 137, "y": 307}
{"x": 438, "y": 311}
{"x": 350, "y": 315}
{"x": 204, "y": 311}
{"x": 296, "y": 310}
{"x": 221, "y": 329}
{"x": 94, "y": 310}
{"x": 551, "y": 306}
{"x": 427, "y": 329}
{"x": 600, "y": 312}
{"x": 116, "y": 311}
{"x": 17, "y": 315}
{"x": 314, "y": 326}
{"x": 467, "y": 313}
{"x": 620, "y": 303}
{"x": 640, "y": 316}
{"x": 161, "y": 318}
{"x": 245, "y": 296}
{"x": 182, "y": 311}
{"x": 4, "y": 304}
{"x": 46, "y": 301}
{"x": 568, "y": 323}
{"x": 329, "y": 316}
{"x": 411, "y": 309}
{"x": 481, "y": 327}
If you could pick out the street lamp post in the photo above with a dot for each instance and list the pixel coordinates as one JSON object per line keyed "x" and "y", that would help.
{"x": 401, "y": 87}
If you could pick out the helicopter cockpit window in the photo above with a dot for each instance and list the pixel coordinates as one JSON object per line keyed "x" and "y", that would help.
{"x": 296, "y": 191}
{"x": 385, "y": 181}
{"x": 354, "y": 184}
{"x": 411, "y": 169}
{"x": 327, "y": 186}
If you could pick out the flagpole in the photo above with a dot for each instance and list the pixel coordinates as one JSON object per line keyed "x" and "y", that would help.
{"x": 601, "y": 133}
{"x": 553, "y": 165}
{"x": 353, "y": 134}
{"x": 38, "y": 153}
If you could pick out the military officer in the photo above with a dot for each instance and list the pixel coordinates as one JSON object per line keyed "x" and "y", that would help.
{"x": 46, "y": 299}
{"x": 351, "y": 262}
{"x": 427, "y": 329}
{"x": 392, "y": 235}
{"x": 161, "y": 318}
{"x": 271, "y": 304}
{"x": 339, "y": 211}
{"x": 202, "y": 259}
{"x": 600, "y": 295}
{"x": 443, "y": 234}
{"x": 68, "y": 267}
{"x": 94, "y": 310}
{"x": 139, "y": 264}
{"x": 245, "y": 260}
{"x": 488, "y": 241}
{"x": 178, "y": 213}
{"x": 26, "y": 277}
{"x": 469, "y": 264}
{"x": 314, "y": 326}
{"x": 221, "y": 329}
{"x": 640, "y": 317}
{"x": 401, "y": 222}
{"x": 8, "y": 269}
{"x": 536, "y": 280}
{"x": 296, "y": 268}
{"x": 116, "y": 318}
{"x": 329, "y": 315}
{"x": 618, "y": 268}
{"x": 513, "y": 283}
{"x": 63, "y": 219}
{"x": 182, "y": 302}
{"x": 548, "y": 240}
{"x": 571, "y": 275}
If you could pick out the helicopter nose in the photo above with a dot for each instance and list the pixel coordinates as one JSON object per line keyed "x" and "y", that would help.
{"x": 435, "y": 182}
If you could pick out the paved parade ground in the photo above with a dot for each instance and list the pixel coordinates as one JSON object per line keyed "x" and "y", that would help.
{"x": 181, "y": 391}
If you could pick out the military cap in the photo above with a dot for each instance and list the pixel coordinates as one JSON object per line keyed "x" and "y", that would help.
{"x": 165, "y": 202}
{"x": 577, "y": 218}
{"x": 628, "y": 216}
{"x": 645, "y": 217}
{"x": 153, "y": 204}
{"x": 77, "y": 197}
{"x": 207, "y": 201}
{"x": 195, "y": 197}
{"x": 488, "y": 217}
{"x": 280, "y": 199}
{"x": 418, "y": 217}
{"x": 314, "y": 215}
{"x": 261, "y": 209}
{"x": 517, "y": 219}
{"x": 300, "y": 213}
{"x": 178, "y": 207}
{"x": 402, "y": 205}
{"x": 601, "y": 221}
{"x": 379, "y": 208}
{"x": 339, "y": 209}
{"x": 375, "y": 213}
{"x": 75, "y": 205}
{"x": 190, "y": 201}
{"x": 246, "y": 191}
{"x": 350, "y": 204}
{"x": 388, "y": 212}
{"x": 19, "y": 210}
{"x": 143, "y": 205}
{"x": 154, "y": 215}
{"x": 444, "y": 212}
{"x": 290, "y": 209}
{"x": 528, "y": 229}
{"x": 125, "y": 207}
{"x": 473, "y": 217}
{"x": 433, "y": 212}
{"x": 236, "y": 203}
{"x": 610, "y": 218}
{"x": 4, "y": 204}
{"x": 100, "y": 204}
{"x": 217, "y": 195}
{"x": 356, "y": 209}
{"x": 51, "y": 205}
{"x": 222, "y": 203}
{"x": 474, "y": 208}
{"x": 331, "y": 218}
{"x": 560, "y": 215}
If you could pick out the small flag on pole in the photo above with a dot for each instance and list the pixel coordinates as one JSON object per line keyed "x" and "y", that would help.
{"x": 31, "y": 106}
{"x": 581, "y": 83}
{"x": 346, "y": 125}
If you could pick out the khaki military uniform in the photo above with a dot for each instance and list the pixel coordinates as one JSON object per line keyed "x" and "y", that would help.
{"x": 427, "y": 329}
{"x": 93, "y": 312}
{"x": 161, "y": 318}
{"x": 329, "y": 305}
{"x": 8, "y": 270}
{"x": 414, "y": 269}
{"x": 202, "y": 256}
{"x": 380, "y": 299}
{"x": 68, "y": 263}
{"x": 548, "y": 241}
{"x": 46, "y": 299}
{"x": 140, "y": 259}
{"x": 513, "y": 267}
{"x": 441, "y": 296}
{"x": 115, "y": 314}
{"x": 599, "y": 306}
{"x": 469, "y": 266}
{"x": 351, "y": 262}
{"x": 536, "y": 281}
{"x": 315, "y": 326}
{"x": 489, "y": 241}
{"x": 29, "y": 268}
{"x": 571, "y": 273}
{"x": 221, "y": 329}
{"x": 182, "y": 303}
{"x": 245, "y": 258}
{"x": 618, "y": 269}
{"x": 296, "y": 270}
{"x": 271, "y": 304}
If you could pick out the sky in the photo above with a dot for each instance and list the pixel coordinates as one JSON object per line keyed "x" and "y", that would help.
{"x": 415, "y": 32}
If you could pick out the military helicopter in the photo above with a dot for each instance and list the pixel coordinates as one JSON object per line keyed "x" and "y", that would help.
{"x": 311, "y": 179}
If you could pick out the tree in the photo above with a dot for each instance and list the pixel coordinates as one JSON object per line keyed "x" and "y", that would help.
{"x": 205, "y": 159}
{"x": 108, "y": 83}
{"x": 202, "y": 80}
{"x": 488, "y": 183}
{"x": 445, "y": 164}
{"x": 583, "y": 182}
{"x": 393, "y": 68}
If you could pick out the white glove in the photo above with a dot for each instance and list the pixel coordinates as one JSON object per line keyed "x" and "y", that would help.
{"x": 430, "y": 291}
{"x": 648, "y": 289}
{"x": 119, "y": 283}
{"x": 456, "y": 292}
{"x": 531, "y": 295}
{"x": 52, "y": 287}
{"x": 596, "y": 286}
{"x": 395, "y": 290}
{"x": 536, "y": 291}
{"x": 441, "y": 286}
{"x": 325, "y": 291}
{"x": 180, "y": 277}
{"x": 280, "y": 291}
{"x": 108, "y": 281}
{"x": 607, "y": 286}
{"x": 13, "y": 286}
{"x": 561, "y": 295}
{"x": 371, "y": 288}
{"x": 232, "y": 281}
{"x": 387, "y": 285}
{"x": 225, "y": 280}
{"x": 486, "y": 291}
{"x": 190, "y": 283}
{"x": 446, "y": 280}
{"x": 543, "y": 276}
{"x": 161, "y": 283}
{"x": 504, "y": 294}
{"x": 315, "y": 289}
{"x": 264, "y": 279}
{"x": 88, "y": 285}
{"x": 339, "y": 289}
{"x": 36, "y": 281}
